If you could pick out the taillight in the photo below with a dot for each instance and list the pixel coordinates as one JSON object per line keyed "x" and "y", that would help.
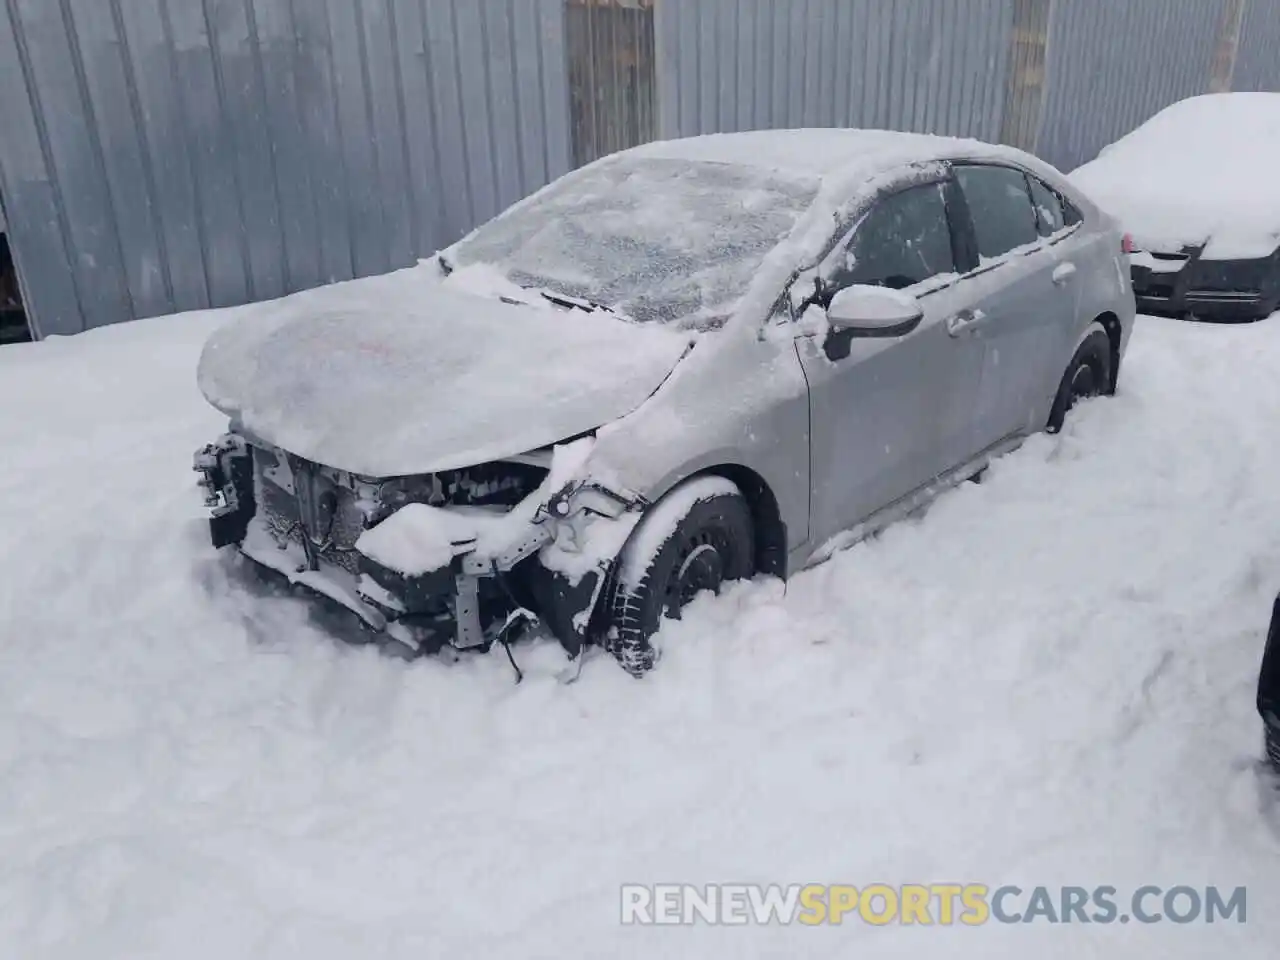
{"x": 1126, "y": 244}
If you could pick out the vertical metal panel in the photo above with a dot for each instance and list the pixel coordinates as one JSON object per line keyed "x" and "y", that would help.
{"x": 360, "y": 149}
{"x": 165, "y": 160}
{"x": 33, "y": 208}
{"x": 321, "y": 138}
{"x": 378, "y": 53}
{"x": 417, "y": 107}
{"x": 238, "y": 73}
{"x": 112, "y": 98}
{"x": 163, "y": 155}
{"x": 928, "y": 65}
{"x": 55, "y": 82}
{"x": 278, "y": 59}
{"x": 948, "y": 66}
{"x": 1257, "y": 65}
{"x": 1111, "y": 66}
{"x": 209, "y": 147}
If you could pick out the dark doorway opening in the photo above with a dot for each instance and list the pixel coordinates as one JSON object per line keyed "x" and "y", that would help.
{"x": 13, "y": 318}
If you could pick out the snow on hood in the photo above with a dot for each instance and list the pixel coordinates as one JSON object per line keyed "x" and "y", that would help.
{"x": 405, "y": 374}
{"x": 1200, "y": 170}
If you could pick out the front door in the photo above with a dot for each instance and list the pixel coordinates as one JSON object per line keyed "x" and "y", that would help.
{"x": 887, "y": 415}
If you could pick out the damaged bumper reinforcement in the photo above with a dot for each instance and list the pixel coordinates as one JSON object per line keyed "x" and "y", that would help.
{"x": 302, "y": 521}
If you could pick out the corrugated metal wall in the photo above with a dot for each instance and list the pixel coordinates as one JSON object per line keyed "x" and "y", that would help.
{"x": 1112, "y": 65}
{"x": 162, "y": 155}
{"x": 927, "y": 65}
{"x": 1258, "y": 56}
{"x": 950, "y": 66}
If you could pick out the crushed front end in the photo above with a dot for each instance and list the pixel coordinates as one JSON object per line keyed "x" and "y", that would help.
{"x": 313, "y": 523}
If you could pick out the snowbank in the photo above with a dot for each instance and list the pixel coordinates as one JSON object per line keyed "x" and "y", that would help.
{"x": 1200, "y": 170}
{"x": 1045, "y": 680}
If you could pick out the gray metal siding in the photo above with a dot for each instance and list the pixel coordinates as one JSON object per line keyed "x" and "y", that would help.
{"x": 164, "y": 155}
{"x": 1258, "y": 57}
{"x": 1112, "y": 65}
{"x": 943, "y": 66}
{"x": 931, "y": 65}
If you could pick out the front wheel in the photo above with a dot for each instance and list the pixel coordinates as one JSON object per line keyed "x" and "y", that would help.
{"x": 699, "y": 537}
{"x": 1089, "y": 374}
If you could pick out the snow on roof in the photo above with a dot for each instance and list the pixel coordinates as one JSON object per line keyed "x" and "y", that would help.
{"x": 822, "y": 151}
{"x": 1200, "y": 170}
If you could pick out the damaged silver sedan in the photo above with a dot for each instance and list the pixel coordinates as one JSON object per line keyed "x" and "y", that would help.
{"x": 681, "y": 365}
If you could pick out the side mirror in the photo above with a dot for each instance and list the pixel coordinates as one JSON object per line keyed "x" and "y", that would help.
{"x": 867, "y": 311}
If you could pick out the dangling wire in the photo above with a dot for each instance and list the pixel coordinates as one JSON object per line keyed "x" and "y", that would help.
{"x": 519, "y": 613}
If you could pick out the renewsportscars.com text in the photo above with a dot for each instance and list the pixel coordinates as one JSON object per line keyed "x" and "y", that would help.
{"x": 935, "y": 904}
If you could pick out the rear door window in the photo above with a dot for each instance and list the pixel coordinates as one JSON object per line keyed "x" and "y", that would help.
{"x": 1000, "y": 207}
{"x": 904, "y": 240}
{"x": 1049, "y": 214}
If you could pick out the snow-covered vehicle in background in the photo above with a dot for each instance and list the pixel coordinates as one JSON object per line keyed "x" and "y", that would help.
{"x": 1196, "y": 188}
{"x": 1269, "y": 690}
{"x": 676, "y": 367}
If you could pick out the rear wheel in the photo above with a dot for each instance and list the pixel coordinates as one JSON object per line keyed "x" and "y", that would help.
{"x": 1089, "y": 374}
{"x": 697, "y": 538}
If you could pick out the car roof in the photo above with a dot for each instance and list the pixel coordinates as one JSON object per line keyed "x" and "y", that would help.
{"x": 825, "y": 152}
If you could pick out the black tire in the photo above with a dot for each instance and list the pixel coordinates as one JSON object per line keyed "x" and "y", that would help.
{"x": 711, "y": 542}
{"x": 1269, "y": 689}
{"x": 1089, "y": 374}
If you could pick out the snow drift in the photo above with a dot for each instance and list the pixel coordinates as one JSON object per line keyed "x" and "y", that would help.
{"x": 1047, "y": 679}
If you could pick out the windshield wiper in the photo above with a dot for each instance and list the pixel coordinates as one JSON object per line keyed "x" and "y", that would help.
{"x": 575, "y": 303}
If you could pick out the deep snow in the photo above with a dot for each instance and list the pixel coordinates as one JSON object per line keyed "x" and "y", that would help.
{"x": 1046, "y": 679}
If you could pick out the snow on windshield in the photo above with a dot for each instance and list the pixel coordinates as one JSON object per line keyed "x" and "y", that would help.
{"x": 663, "y": 240}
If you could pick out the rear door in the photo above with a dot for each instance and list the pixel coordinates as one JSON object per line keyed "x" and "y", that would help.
{"x": 888, "y": 414}
{"x": 1026, "y": 294}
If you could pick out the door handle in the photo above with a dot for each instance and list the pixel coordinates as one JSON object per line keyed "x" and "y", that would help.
{"x": 964, "y": 322}
{"x": 1063, "y": 272}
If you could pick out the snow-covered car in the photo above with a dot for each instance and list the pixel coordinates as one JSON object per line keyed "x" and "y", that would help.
{"x": 1195, "y": 187}
{"x": 678, "y": 366}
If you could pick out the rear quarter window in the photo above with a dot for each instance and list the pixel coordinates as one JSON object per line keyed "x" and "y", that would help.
{"x": 1049, "y": 208}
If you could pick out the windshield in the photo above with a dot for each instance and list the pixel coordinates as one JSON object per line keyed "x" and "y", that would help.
{"x": 658, "y": 240}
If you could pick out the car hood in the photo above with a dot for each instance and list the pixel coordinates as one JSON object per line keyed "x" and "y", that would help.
{"x": 383, "y": 379}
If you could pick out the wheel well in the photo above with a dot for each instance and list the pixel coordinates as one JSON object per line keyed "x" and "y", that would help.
{"x": 1111, "y": 323}
{"x": 770, "y": 531}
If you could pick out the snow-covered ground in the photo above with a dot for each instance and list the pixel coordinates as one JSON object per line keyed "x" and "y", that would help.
{"x": 1047, "y": 679}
